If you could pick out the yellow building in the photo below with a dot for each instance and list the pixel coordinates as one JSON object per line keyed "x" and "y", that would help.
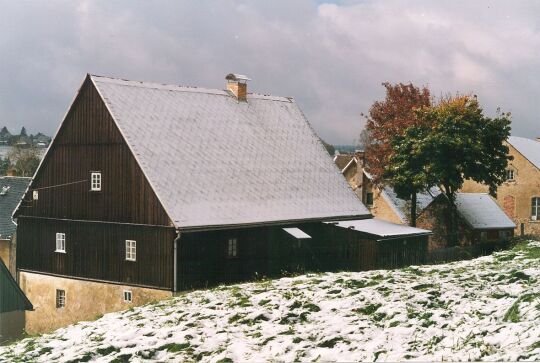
{"x": 519, "y": 195}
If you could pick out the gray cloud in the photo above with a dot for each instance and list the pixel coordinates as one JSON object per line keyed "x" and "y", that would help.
{"x": 330, "y": 56}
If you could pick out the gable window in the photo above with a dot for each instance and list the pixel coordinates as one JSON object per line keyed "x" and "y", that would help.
{"x": 128, "y": 296}
{"x": 60, "y": 299}
{"x": 232, "y": 248}
{"x": 131, "y": 250}
{"x": 369, "y": 198}
{"x": 535, "y": 210}
{"x": 509, "y": 174}
{"x": 95, "y": 181}
{"x": 61, "y": 242}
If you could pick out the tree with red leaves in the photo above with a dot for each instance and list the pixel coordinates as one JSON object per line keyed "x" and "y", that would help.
{"x": 388, "y": 119}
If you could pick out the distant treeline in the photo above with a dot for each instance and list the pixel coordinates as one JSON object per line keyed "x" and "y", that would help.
{"x": 23, "y": 139}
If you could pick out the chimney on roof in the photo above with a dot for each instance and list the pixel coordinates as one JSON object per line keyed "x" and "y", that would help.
{"x": 237, "y": 84}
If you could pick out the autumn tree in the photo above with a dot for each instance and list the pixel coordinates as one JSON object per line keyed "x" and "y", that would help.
{"x": 388, "y": 119}
{"x": 455, "y": 141}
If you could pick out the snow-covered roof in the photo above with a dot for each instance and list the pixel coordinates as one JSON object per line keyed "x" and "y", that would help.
{"x": 529, "y": 148}
{"x": 212, "y": 160}
{"x": 402, "y": 208}
{"x": 297, "y": 233}
{"x": 380, "y": 228}
{"x": 480, "y": 211}
{"x": 12, "y": 189}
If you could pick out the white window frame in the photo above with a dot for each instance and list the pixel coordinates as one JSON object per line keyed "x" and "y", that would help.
{"x": 509, "y": 174}
{"x": 535, "y": 208}
{"x": 128, "y": 296}
{"x": 60, "y": 298}
{"x": 60, "y": 242}
{"x": 131, "y": 250}
{"x": 232, "y": 248}
{"x": 95, "y": 181}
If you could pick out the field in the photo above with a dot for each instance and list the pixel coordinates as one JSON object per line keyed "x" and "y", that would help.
{"x": 482, "y": 309}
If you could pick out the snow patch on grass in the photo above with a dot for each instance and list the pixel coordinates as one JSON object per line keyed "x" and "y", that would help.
{"x": 483, "y": 309}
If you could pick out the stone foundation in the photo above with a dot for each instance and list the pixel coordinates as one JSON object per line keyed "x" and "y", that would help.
{"x": 85, "y": 300}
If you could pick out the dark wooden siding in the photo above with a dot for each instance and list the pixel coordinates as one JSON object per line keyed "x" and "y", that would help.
{"x": 96, "y": 251}
{"x": 90, "y": 141}
{"x": 271, "y": 252}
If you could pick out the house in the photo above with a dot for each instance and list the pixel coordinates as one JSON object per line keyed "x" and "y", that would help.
{"x": 477, "y": 217}
{"x": 519, "y": 195}
{"x": 148, "y": 189}
{"x": 13, "y": 304}
{"x": 12, "y": 189}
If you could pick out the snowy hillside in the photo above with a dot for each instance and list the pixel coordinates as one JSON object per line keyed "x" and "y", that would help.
{"x": 484, "y": 309}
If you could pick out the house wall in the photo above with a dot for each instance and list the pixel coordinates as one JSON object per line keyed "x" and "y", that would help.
{"x": 434, "y": 218}
{"x": 97, "y": 251}
{"x": 85, "y": 300}
{"x": 90, "y": 141}
{"x": 381, "y": 207}
{"x": 514, "y": 197}
{"x": 11, "y": 326}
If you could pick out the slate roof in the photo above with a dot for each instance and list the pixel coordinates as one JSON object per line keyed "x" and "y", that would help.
{"x": 12, "y": 298}
{"x": 381, "y": 228}
{"x": 480, "y": 211}
{"x": 9, "y": 201}
{"x": 215, "y": 161}
{"x": 402, "y": 208}
{"x": 342, "y": 160}
{"x": 529, "y": 148}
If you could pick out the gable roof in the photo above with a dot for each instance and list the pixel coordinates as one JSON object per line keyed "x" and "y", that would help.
{"x": 480, "y": 211}
{"x": 16, "y": 186}
{"x": 402, "y": 207}
{"x": 529, "y": 148}
{"x": 342, "y": 160}
{"x": 12, "y": 298}
{"x": 214, "y": 161}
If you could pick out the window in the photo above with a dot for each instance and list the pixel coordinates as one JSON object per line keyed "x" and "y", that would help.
{"x": 232, "y": 248}
{"x": 131, "y": 250}
{"x": 60, "y": 299}
{"x": 61, "y": 242}
{"x": 535, "y": 212}
{"x": 128, "y": 296}
{"x": 509, "y": 174}
{"x": 505, "y": 234}
{"x": 95, "y": 181}
{"x": 369, "y": 198}
{"x": 483, "y": 236}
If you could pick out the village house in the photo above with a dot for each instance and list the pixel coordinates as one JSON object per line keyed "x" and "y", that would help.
{"x": 148, "y": 189}
{"x": 12, "y": 189}
{"x": 383, "y": 203}
{"x": 13, "y": 304}
{"x": 519, "y": 195}
{"x": 477, "y": 217}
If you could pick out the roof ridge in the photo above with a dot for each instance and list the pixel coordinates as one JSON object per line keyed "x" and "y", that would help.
{"x": 182, "y": 88}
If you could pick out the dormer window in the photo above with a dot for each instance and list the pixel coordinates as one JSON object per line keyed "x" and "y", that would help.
{"x": 95, "y": 181}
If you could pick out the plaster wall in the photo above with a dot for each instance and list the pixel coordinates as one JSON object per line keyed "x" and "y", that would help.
{"x": 514, "y": 196}
{"x": 85, "y": 300}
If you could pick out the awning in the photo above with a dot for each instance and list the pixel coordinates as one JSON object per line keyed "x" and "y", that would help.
{"x": 380, "y": 228}
{"x": 297, "y": 233}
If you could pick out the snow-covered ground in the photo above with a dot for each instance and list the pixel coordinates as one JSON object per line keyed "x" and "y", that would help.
{"x": 484, "y": 309}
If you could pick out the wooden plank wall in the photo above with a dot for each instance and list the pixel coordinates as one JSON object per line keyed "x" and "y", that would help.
{"x": 97, "y": 251}
{"x": 90, "y": 141}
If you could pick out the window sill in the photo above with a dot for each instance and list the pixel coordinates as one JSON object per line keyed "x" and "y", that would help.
{"x": 60, "y": 251}
{"x": 130, "y": 260}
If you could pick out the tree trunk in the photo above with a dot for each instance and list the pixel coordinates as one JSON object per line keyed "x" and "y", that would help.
{"x": 413, "y": 210}
{"x": 451, "y": 216}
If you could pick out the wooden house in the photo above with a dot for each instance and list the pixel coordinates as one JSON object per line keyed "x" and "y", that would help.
{"x": 519, "y": 195}
{"x": 477, "y": 216}
{"x": 13, "y": 304}
{"x": 11, "y": 191}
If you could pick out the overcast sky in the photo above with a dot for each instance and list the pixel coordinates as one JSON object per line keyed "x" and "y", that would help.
{"x": 330, "y": 56}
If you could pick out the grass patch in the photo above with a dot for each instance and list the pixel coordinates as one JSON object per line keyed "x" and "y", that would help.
{"x": 108, "y": 350}
{"x": 423, "y": 287}
{"x": 174, "y": 347}
{"x": 368, "y": 309}
{"x": 331, "y": 343}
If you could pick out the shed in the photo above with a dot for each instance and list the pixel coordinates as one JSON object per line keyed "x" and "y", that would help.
{"x": 13, "y": 304}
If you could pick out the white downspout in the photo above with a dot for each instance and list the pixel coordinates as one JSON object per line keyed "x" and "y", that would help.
{"x": 175, "y": 269}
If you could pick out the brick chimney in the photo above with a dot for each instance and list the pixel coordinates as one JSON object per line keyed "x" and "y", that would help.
{"x": 237, "y": 85}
